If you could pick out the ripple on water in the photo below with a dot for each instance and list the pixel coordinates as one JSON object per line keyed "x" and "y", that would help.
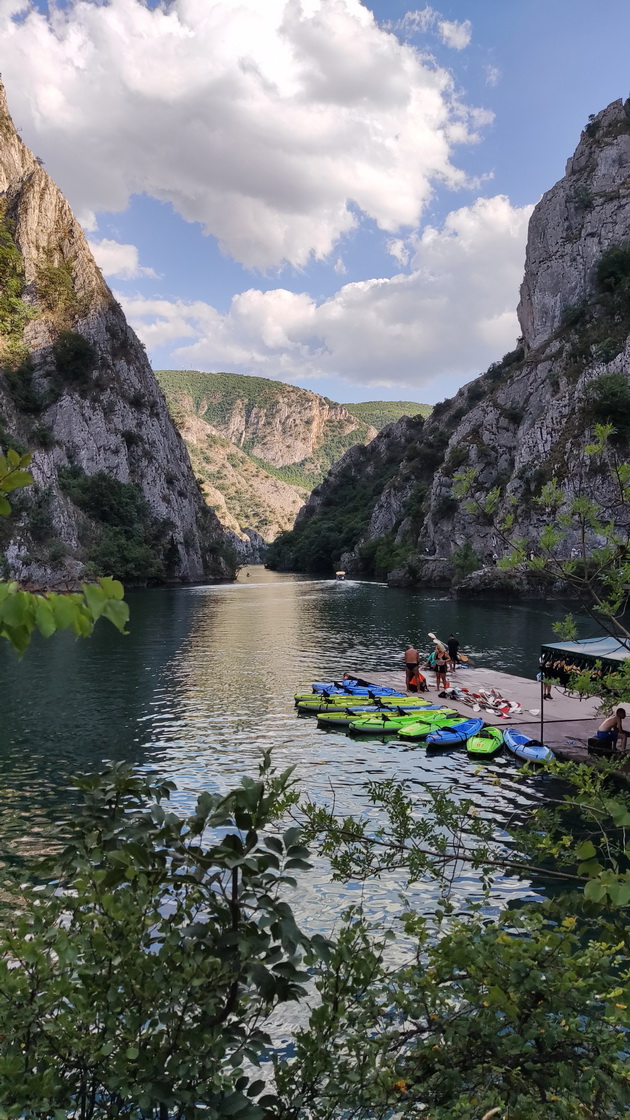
{"x": 205, "y": 680}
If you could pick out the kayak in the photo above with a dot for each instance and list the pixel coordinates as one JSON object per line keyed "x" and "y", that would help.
{"x": 341, "y": 703}
{"x": 420, "y": 730}
{"x": 345, "y": 716}
{"x": 388, "y": 722}
{"x": 353, "y": 687}
{"x": 487, "y": 743}
{"x": 526, "y": 748}
{"x": 451, "y": 736}
{"x": 334, "y": 704}
{"x": 339, "y": 695}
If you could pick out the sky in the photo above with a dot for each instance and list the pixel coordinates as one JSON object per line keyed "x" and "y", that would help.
{"x": 326, "y": 192}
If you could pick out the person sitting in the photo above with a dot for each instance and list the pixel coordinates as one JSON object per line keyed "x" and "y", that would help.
{"x": 612, "y": 729}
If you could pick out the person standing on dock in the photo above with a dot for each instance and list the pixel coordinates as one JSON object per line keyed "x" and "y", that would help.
{"x": 441, "y": 664}
{"x": 453, "y": 651}
{"x": 412, "y": 664}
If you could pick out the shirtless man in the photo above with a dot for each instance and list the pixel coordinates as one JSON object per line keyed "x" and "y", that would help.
{"x": 612, "y": 728}
{"x": 412, "y": 662}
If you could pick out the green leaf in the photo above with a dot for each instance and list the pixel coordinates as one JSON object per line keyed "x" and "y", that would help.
{"x": 594, "y": 890}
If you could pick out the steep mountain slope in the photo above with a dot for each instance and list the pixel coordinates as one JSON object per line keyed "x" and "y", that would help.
{"x": 259, "y": 447}
{"x": 114, "y": 485}
{"x": 528, "y": 418}
{"x": 381, "y": 413}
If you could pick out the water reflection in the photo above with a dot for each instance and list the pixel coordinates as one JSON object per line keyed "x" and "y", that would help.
{"x": 205, "y": 679}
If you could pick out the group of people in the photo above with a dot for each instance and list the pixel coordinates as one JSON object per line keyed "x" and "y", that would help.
{"x": 441, "y": 658}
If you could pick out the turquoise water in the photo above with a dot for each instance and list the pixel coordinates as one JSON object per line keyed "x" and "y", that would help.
{"x": 206, "y": 678}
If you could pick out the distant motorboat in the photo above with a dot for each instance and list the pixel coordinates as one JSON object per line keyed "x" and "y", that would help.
{"x": 340, "y": 575}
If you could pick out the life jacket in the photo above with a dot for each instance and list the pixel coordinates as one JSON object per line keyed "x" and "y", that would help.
{"x": 417, "y": 683}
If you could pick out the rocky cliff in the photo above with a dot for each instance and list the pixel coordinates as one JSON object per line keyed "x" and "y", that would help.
{"x": 527, "y": 419}
{"x": 258, "y": 447}
{"x": 114, "y": 490}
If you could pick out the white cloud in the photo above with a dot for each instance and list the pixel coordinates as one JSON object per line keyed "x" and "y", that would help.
{"x": 269, "y": 123}
{"x": 493, "y": 75}
{"x": 122, "y": 261}
{"x": 418, "y": 22}
{"x": 451, "y": 316}
{"x": 454, "y": 34}
{"x": 398, "y": 250}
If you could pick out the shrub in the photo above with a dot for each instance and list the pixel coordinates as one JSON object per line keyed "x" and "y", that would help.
{"x": 57, "y": 552}
{"x": 39, "y": 518}
{"x": 130, "y": 541}
{"x": 44, "y": 436}
{"x": 75, "y": 358}
{"x": 54, "y": 285}
{"x": 583, "y": 197}
{"x": 20, "y": 382}
{"x": 613, "y": 270}
{"x": 445, "y": 506}
{"x": 131, "y": 438}
{"x": 573, "y": 314}
{"x": 138, "y": 399}
{"x": 465, "y": 559}
{"x": 415, "y": 506}
{"x": 382, "y": 555}
{"x": 608, "y": 400}
{"x": 607, "y": 350}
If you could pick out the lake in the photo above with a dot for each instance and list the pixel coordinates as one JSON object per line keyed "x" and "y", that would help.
{"x": 205, "y": 679}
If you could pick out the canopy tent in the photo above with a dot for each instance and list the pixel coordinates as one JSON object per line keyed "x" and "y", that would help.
{"x": 558, "y": 659}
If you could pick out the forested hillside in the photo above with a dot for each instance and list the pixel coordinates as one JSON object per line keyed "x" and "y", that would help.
{"x": 259, "y": 447}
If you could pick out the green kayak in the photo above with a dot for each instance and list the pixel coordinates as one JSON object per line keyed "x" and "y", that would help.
{"x": 343, "y": 717}
{"x": 487, "y": 743}
{"x": 316, "y": 706}
{"x": 415, "y": 732}
{"x": 388, "y": 723}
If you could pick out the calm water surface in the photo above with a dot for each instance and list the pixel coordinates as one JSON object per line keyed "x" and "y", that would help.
{"x": 206, "y": 678}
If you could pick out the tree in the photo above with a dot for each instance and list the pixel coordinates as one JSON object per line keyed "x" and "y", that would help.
{"x": 520, "y": 1016}
{"x": 139, "y": 982}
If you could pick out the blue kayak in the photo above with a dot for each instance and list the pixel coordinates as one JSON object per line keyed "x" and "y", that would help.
{"x": 526, "y": 748}
{"x": 354, "y": 689}
{"x": 451, "y": 736}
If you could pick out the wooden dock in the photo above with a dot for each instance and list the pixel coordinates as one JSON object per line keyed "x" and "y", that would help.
{"x": 568, "y": 722}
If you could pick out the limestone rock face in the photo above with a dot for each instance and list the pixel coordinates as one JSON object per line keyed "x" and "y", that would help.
{"x": 528, "y": 418}
{"x": 116, "y": 421}
{"x": 585, "y": 213}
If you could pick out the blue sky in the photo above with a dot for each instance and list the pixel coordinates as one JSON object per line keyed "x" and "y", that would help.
{"x": 297, "y": 190}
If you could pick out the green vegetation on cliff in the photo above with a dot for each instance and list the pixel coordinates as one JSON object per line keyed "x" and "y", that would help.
{"x": 267, "y": 421}
{"x": 381, "y": 413}
{"x": 341, "y": 508}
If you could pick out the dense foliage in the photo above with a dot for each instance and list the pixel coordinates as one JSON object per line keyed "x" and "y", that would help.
{"x": 124, "y": 536}
{"x": 140, "y": 982}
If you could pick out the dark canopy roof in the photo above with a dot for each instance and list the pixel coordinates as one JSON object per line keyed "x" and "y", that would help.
{"x": 588, "y": 650}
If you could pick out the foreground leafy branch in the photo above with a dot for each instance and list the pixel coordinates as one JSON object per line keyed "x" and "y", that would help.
{"x": 23, "y": 611}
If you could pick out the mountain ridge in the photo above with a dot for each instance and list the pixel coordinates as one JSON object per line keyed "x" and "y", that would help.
{"x": 259, "y": 446}
{"x": 526, "y": 420}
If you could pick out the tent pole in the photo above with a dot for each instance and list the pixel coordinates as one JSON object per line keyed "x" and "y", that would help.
{"x": 542, "y": 704}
